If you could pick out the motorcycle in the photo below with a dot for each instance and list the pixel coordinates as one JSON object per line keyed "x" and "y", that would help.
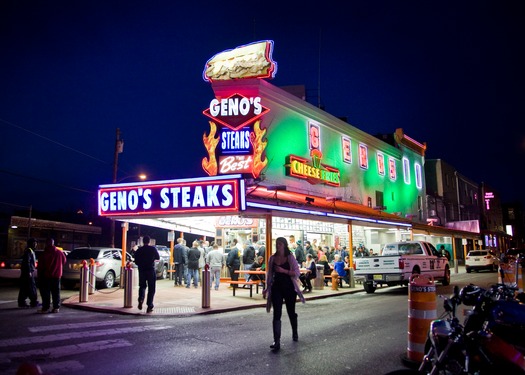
{"x": 491, "y": 340}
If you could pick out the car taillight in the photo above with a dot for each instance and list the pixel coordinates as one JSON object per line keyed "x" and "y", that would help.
{"x": 401, "y": 264}
{"x": 2, "y": 264}
{"x": 99, "y": 263}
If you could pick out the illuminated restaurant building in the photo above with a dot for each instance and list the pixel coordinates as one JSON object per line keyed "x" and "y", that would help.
{"x": 276, "y": 165}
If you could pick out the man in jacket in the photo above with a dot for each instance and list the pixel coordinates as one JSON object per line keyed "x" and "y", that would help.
{"x": 233, "y": 261}
{"x": 27, "y": 276}
{"x": 194, "y": 255}
{"x": 145, "y": 258}
{"x": 50, "y": 266}
{"x": 299, "y": 254}
{"x": 215, "y": 259}
{"x": 178, "y": 259}
{"x": 248, "y": 257}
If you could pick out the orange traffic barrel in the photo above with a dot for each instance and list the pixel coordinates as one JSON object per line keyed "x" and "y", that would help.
{"x": 507, "y": 274}
{"x": 422, "y": 310}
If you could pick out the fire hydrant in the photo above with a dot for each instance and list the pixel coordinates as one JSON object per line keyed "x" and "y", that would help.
{"x": 335, "y": 280}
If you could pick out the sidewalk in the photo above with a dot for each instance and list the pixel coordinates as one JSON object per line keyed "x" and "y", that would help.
{"x": 174, "y": 301}
{"x": 180, "y": 301}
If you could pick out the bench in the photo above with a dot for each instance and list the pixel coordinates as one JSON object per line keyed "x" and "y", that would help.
{"x": 244, "y": 282}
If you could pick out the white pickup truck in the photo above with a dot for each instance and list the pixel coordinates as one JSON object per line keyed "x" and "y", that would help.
{"x": 400, "y": 260}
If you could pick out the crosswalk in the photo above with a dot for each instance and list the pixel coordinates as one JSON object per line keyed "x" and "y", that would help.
{"x": 54, "y": 347}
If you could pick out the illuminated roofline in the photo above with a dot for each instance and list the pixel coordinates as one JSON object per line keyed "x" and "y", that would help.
{"x": 327, "y": 214}
{"x": 183, "y": 180}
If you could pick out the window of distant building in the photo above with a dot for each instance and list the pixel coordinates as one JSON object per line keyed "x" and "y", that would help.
{"x": 419, "y": 177}
{"x": 406, "y": 170}
{"x": 363, "y": 156}
{"x": 380, "y": 163}
{"x": 392, "y": 168}
{"x": 347, "y": 149}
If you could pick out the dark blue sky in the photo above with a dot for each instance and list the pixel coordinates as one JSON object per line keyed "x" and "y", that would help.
{"x": 449, "y": 73}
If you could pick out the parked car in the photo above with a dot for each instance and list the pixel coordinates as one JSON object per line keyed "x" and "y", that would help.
{"x": 162, "y": 266}
{"x": 477, "y": 260}
{"x": 108, "y": 262}
{"x": 10, "y": 268}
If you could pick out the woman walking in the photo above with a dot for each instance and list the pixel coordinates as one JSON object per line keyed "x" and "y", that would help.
{"x": 281, "y": 285}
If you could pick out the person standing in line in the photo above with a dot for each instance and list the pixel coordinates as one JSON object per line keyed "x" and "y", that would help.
{"x": 282, "y": 273}
{"x": 215, "y": 259}
{"x": 145, "y": 258}
{"x": 194, "y": 255}
{"x": 299, "y": 254}
{"x": 233, "y": 261}
{"x": 178, "y": 260}
{"x": 27, "y": 276}
{"x": 248, "y": 257}
{"x": 50, "y": 266}
{"x": 202, "y": 259}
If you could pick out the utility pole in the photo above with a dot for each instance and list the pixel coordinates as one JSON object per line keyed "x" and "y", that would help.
{"x": 119, "y": 147}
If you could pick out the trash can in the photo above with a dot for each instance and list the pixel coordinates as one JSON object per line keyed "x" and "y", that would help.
{"x": 319, "y": 279}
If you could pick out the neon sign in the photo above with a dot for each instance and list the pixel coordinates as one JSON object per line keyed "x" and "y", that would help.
{"x": 248, "y": 61}
{"x": 238, "y": 145}
{"x": 173, "y": 196}
{"x": 314, "y": 173}
{"x": 236, "y": 111}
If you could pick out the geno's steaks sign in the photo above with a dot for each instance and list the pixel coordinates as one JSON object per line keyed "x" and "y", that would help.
{"x": 202, "y": 195}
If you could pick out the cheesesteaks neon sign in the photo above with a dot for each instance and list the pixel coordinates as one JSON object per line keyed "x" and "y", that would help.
{"x": 315, "y": 173}
{"x": 174, "y": 196}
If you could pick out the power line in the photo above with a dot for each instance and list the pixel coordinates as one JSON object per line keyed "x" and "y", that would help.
{"x": 52, "y": 141}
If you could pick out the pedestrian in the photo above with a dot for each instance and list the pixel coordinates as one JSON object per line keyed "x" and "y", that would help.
{"x": 178, "y": 260}
{"x": 299, "y": 254}
{"x": 281, "y": 285}
{"x": 50, "y": 266}
{"x": 215, "y": 259}
{"x": 311, "y": 273}
{"x": 194, "y": 255}
{"x": 233, "y": 262}
{"x": 145, "y": 258}
{"x": 248, "y": 257}
{"x": 27, "y": 276}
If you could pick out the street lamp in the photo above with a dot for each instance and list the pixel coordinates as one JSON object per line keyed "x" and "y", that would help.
{"x": 141, "y": 177}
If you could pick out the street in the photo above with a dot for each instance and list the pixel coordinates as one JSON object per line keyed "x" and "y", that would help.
{"x": 352, "y": 334}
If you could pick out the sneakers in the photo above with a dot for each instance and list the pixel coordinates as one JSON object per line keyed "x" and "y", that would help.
{"x": 54, "y": 311}
{"x": 149, "y": 310}
{"x": 140, "y": 305}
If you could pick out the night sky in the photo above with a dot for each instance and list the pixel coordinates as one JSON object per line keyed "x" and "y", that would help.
{"x": 451, "y": 74}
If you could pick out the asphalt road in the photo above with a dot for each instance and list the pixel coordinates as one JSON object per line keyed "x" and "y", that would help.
{"x": 352, "y": 334}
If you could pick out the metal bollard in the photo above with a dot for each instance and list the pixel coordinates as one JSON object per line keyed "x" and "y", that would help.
{"x": 206, "y": 286}
{"x": 84, "y": 281}
{"x": 92, "y": 278}
{"x": 128, "y": 288}
{"x": 422, "y": 309}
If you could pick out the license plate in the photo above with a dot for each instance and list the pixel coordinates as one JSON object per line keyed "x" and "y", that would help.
{"x": 378, "y": 277}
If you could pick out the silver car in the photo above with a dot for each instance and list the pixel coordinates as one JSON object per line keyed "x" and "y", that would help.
{"x": 108, "y": 263}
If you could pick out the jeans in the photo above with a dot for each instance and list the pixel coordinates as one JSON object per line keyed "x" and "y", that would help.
{"x": 192, "y": 273}
{"x": 215, "y": 274}
{"x": 147, "y": 279}
{"x": 179, "y": 273}
{"x": 49, "y": 288}
{"x": 247, "y": 268}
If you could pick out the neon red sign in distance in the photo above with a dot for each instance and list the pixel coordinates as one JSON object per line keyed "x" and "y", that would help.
{"x": 170, "y": 197}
